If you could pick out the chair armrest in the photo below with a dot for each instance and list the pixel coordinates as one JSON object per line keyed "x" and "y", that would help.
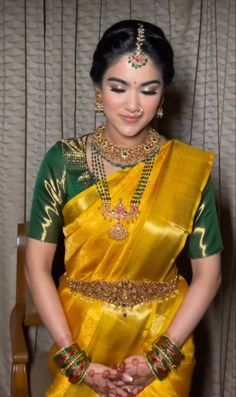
{"x": 18, "y": 343}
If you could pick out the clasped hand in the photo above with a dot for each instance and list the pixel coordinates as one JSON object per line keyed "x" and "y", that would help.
{"x": 124, "y": 380}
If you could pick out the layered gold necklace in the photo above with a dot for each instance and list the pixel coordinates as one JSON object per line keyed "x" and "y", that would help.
{"x": 117, "y": 157}
{"x": 120, "y": 156}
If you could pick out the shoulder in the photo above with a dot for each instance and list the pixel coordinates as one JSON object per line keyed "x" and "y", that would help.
{"x": 188, "y": 147}
{"x": 188, "y": 151}
{"x": 74, "y": 149}
{"x": 53, "y": 156}
{"x": 72, "y": 144}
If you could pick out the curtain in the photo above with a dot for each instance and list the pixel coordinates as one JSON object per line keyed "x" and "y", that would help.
{"x": 46, "y": 48}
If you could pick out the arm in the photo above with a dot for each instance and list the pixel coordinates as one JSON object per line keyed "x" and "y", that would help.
{"x": 203, "y": 248}
{"x": 205, "y": 283}
{"x": 49, "y": 198}
{"x": 39, "y": 257}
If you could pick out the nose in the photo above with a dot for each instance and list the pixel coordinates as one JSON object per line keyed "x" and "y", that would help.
{"x": 132, "y": 103}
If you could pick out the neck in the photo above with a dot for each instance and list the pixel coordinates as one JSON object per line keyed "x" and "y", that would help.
{"x": 125, "y": 141}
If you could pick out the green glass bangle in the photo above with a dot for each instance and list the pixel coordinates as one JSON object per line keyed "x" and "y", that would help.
{"x": 170, "y": 355}
{"x": 64, "y": 355}
{"x": 164, "y": 362}
{"x": 171, "y": 362}
{"x": 72, "y": 361}
{"x": 75, "y": 365}
{"x": 66, "y": 349}
{"x": 173, "y": 345}
{"x": 79, "y": 371}
{"x": 155, "y": 369}
{"x": 84, "y": 371}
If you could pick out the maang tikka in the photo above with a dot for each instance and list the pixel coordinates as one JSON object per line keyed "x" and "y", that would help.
{"x": 137, "y": 58}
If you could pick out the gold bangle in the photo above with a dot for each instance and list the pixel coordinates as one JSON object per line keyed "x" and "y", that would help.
{"x": 73, "y": 361}
{"x": 65, "y": 349}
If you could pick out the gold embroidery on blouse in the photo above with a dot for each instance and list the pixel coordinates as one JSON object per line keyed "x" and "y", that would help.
{"x": 201, "y": 231}
{"x": 125, "y": 293}
{"x": 54, "y": 189}
{"x": 75, "y": 155}
{"x": 74, "y": 151}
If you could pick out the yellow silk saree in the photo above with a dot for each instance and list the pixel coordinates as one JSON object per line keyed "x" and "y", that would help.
{"x": 110, "y": 332}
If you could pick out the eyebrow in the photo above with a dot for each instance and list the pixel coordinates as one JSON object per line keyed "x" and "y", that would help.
{"x": 125, "y": 82}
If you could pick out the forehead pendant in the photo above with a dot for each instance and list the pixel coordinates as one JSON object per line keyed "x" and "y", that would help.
{"x": 137, "y": 58}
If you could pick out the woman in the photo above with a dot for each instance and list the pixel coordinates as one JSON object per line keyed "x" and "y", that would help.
{"x": 128, "y": 201}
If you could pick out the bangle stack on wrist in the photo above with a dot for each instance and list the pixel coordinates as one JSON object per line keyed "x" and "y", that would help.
{"x": 164, "y": 357}
{"x": 73, "y": 362}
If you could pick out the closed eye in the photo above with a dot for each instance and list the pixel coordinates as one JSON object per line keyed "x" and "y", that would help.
{"x": 149, "y": 92}
{"x": 119, "y": 90}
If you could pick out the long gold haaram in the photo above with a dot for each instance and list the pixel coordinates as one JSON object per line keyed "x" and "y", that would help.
{"x": 119, "y": 213}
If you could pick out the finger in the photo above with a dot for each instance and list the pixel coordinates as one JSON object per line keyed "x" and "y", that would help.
{"x": 111, "y": 374}
{"x": 119, "y": 367}
{"x": 133, "y": 389}
{"x": 122, "y": 383}
{"x": 127, "y": 378}
{"x": 117, "y": 376}
{"x": 119, "y": 383}
{"x": 112, "y": 389}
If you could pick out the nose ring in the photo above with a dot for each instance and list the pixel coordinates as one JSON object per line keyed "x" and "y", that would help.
{"x": 140, "y": 111}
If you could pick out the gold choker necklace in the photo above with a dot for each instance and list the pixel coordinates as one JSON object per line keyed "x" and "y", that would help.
{"x": 120, "y": 156}
{"x": 119, "y": 213}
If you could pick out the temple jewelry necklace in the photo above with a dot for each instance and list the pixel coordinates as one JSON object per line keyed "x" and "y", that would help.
{"x": 125, "y": 156}
{"x": 119, "y": 213}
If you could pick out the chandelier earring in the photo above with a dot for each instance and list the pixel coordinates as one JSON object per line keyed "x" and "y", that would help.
{"x": 159, "y": 113}
{"x": 99, "y": 105}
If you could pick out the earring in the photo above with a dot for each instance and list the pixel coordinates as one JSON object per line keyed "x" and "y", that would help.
{"x": 160, "y": 113}
{"x": 99, "y": 105}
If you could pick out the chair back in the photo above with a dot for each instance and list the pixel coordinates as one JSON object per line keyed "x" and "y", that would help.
{"x": 26, "y": 326}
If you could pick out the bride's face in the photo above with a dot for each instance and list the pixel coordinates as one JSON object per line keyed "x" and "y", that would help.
{"x": 125, "y": 91}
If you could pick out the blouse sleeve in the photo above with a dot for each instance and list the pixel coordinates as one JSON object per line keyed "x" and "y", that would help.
{"x": 46, "y": 219}
{"x": 205, "y": 239}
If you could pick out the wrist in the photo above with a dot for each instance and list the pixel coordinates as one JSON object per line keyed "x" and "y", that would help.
{"x": 174, "y": 339}
{"x": 164, "y": 357}
{"x": 64, "y": 341}
{"x": 73, "y": 362}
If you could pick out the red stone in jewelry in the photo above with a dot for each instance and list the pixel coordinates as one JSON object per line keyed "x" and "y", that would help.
{"x": 137, "y": 58}
{"x": 120, "y": 212}
{"x": 119, "y": 231}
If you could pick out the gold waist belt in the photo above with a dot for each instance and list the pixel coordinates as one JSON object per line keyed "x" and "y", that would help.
{"x": 124, "y": 292}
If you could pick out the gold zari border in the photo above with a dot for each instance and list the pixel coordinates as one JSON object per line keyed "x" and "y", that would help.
{"x": 125, "y": 292}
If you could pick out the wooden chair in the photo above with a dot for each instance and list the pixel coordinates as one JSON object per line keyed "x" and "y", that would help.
{"x": 30, "y": 376}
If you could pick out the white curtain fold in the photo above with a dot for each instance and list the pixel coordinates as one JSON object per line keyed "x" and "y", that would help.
{"x": 46, "y": 93}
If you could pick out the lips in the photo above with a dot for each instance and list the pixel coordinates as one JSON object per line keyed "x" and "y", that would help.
{"x": 130, "y": 119}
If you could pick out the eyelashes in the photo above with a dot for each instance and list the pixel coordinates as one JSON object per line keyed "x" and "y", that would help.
{"x": 149, "y": 92}
{"x": 121, "y": 90}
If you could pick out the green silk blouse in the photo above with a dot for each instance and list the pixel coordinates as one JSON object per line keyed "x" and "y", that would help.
{"x": 64, "y": 173}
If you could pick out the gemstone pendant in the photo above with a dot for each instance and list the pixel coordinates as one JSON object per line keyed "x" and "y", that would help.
{"x": 118, "y": 232}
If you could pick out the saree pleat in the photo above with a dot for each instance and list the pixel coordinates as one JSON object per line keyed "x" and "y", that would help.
{"x": 109, "y": 333}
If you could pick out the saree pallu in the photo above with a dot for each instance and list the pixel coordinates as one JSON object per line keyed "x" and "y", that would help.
{"x": 109, "y": 332}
